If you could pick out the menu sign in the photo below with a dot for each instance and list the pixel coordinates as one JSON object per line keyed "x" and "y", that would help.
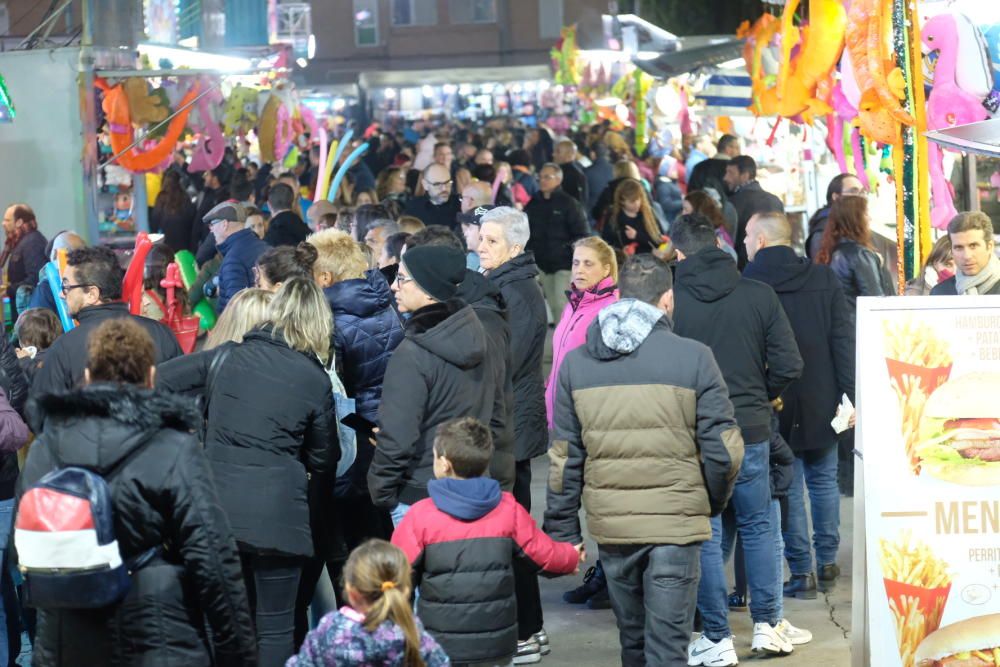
{"x": 929, "y": 429}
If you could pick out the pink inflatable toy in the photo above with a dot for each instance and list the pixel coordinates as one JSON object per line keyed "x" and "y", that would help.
{"x": 211, "y": 143}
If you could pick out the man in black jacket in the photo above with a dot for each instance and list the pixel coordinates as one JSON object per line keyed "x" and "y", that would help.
{"x": 488, "y": 304}
{"x": 286, "y": 226}
{"x": 711, "y": 173}
{"x": 574, "y": 182}
{"x": 748, "y": 198}
{"x": 977, "y": 266}
{"x": 556, "y": 221}
{"x": 811, "y": 297}
{"x": 439, "y": 206}
{"x": 92, "y": 286}
{"x": 742, "y": 321}
{"x": 437, "y": 373}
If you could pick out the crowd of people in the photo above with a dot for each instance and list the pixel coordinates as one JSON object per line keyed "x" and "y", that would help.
{"x": 341, "y": 474}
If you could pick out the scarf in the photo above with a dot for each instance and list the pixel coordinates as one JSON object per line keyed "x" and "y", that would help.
{"x": 982, "y": 282}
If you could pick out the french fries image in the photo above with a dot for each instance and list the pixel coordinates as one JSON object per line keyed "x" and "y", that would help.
{"x": 917, "y": 583}
{"x": 915, "y": 343}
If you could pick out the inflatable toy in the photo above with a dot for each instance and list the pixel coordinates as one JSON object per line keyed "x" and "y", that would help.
{"x": 145, "y": 108}
{"x": 132, "y": 284}
{"x": 189, "y": 273}
{"x": 335, "y": 186}
{"x": 240, "y": 114}
{"x": 211, "y": 142}
{"x": 321, "y": 168}
{"x": 54, "y": 281}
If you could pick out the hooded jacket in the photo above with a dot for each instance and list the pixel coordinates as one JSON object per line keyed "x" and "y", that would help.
{"x": 438, "y": 373}
{"x": 644, "y": 434}
{"x": 487, "y": 302}
{"x": 528, "y": 317}
{"x": 286, "y": 228}
{"x": 744, "y": 324}
{"x": 163, "y": 495}
{"x": 240, "y": 253}
{"x": 571, "y": 332}
{"x": 811, "y": 297}
{"x": 366, "y": 330}
{"x": 556, "y": 222}
{"x": 816, "y": 228}
{"x": 269, "y": 424}
{"x": 66, "y": 359}
{"x": 462, "y": 542}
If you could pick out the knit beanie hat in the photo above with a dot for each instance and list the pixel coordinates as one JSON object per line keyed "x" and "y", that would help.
{"x": 437, "y": 270}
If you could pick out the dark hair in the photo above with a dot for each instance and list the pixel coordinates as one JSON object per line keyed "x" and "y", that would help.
{"x": 435, "y": 235}
{"x": 703, "y": 203}
{"x": 971, "y": 221}
{"x": 745, "y": 165}
{"x": 484, "y": 172}
{"x": 467, "y": 445}
{"x": 171, "y": 197}
{"x": 241, "y": 188}
{"x": 725, "y": 141}
{"x": 940, "y": 252}
{"x": 848, "y": 220}
{"x": 646, "y": 278}
{"x": 367, "y": 216}
{"x": 24, "y": 213}
{"x": 120, "y": 350}
{"x": 155, "y": 268}
{"x": 98, "y": 266}
{"x": 692, "y": 233}
{"x": 395, "y": 243}
{"x": 836, "y": 186}
{"x": 38, "y": 327}
{"x": 327, "y": 221}
{"x": 519, "y": 158}
{"x": 442, "y": 144}
{"x": 280, "y": 197}
{"x": 286, "y": 262}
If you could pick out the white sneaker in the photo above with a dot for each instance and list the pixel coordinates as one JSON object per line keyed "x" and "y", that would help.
{"x": 703, "y": 651}
{"x": 768, "y": 639}
{"x": 796, "y": 636}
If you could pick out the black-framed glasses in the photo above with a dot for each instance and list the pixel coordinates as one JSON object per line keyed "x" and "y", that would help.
{"x": 402, "y": 280}
{"x": 439, "y": 185}
{"x": 66, "y": 289}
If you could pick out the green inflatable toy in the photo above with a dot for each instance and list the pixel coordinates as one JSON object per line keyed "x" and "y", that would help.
{"x": 189, "y": 273}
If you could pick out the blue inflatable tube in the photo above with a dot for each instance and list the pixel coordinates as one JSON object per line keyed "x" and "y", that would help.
{"x": 335, "y": 186}
{"x": 55, "y": 284}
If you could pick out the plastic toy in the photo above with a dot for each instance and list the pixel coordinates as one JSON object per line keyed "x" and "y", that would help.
{"x": 189, "y": 273}
{"x": 211, "y": 144}
{"x": 241, "y": 110}
{"x": 132, "y": 284}
{"x": 185, "y": 328}
{"x": 145, "y": 108}
{"x": 335, "y": 186}
{"x": 54, "y": 281}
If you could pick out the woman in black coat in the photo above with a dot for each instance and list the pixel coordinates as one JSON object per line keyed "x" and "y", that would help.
{"x": 173, "y": 214}
{"x": 162, "y": 495}
{"x": 269, "y": 435}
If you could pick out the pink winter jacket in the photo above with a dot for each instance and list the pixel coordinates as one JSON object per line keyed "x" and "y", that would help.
{"x": 571, "y": 332}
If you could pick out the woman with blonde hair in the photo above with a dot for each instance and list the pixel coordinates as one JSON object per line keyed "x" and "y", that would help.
{"x": 378, "y": 625}
{"x": 269, "y": 429}
{"x": 631, "y": 226}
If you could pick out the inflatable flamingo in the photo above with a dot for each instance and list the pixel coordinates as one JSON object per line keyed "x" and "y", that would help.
{"x": 211, "y": 144}
{"x": 947, "y": 106}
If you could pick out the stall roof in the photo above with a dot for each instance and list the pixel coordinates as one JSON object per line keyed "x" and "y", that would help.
{"x": 982, "y": 138}
{"x": 439, "y": 77}
{"x": 692, "y": 53}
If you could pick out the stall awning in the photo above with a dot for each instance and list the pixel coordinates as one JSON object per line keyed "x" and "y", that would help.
{"x": 692, "y": 53}
{"x": 440, "y": 77}
{"x": 726, "y": 93}
{"x": 982, "y": 138}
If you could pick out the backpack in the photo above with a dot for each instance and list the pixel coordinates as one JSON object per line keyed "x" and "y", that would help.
{"x": 65, "y": 539}
{"x": 343, "y": 406}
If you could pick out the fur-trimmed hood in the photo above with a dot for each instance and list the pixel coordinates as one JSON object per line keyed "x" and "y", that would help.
{"x": 98, "y": 425}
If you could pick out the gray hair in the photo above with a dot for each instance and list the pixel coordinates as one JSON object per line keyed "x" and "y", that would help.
{"x": 553, "y": 166}
{"x": 513, "y": 222}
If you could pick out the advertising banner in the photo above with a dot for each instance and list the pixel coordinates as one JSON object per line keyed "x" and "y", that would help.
{"x": 928, "y": 394}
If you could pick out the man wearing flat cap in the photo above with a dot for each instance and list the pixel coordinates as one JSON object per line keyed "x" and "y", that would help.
{"x": 240, "y": 248}
{"x": 437, "y": 373}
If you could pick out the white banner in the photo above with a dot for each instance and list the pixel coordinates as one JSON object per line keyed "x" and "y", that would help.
{"x": 928, "y": 394}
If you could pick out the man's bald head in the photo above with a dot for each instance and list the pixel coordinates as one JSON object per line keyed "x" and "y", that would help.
{"x": 318, "y": 210}
{"x": 565, "y": 151}
{"x": 765, "y": 230}
{"x": 67, "y": 241}
{"x": 476, "y": 193}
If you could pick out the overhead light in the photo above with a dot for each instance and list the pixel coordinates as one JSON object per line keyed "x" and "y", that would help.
{"x": 529, "y": 86}
{"x": 516, "y": 88}
{"x": 311, "y": 47}
{"x": 301, "y": 62}
{"x": 339, "y": 104}
{"x": 390, "y": 93}
{"x": 543, "y": 85}
{"x": 647, "y": 55}
{"x": 449, "y": 89}
{"x": 194, "y": 59}
{"x": 427, "y": 91}
{"x": 465, "y": 89}
{"x": 735, "y": 63}
{"x": 499, "y": 89}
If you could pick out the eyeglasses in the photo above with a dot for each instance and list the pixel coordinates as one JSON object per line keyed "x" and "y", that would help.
{"x": 439, "y": 185}
{"x": 66, "y": 289}
{"x": 402, "y": 280}
{"x": 550, "y": 177}
{"x": 855, "y": 192}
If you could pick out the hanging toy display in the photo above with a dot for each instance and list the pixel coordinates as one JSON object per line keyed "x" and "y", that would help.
{"x": 211, "y": 146}
{"x": 240, "y": 115}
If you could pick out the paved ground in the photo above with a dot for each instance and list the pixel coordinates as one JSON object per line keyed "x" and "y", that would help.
{"x": 581, "y": 638}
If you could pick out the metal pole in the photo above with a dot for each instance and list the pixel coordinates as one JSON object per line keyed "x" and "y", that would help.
{"x": 51, "y": 18}
{"x": 159, "y": 125}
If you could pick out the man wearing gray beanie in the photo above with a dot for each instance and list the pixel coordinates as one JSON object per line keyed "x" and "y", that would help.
{"x": 437, "y": 373}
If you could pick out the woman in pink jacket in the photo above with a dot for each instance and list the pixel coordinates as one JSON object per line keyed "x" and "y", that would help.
{"x": 594, "y": 286}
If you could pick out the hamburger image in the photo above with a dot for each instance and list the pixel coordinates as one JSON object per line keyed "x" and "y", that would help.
{"x": 959, "y": 435}
{"x": 974, "y": 642}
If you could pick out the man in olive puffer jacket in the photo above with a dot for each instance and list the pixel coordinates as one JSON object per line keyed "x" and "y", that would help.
{"x": 645, "y": 433}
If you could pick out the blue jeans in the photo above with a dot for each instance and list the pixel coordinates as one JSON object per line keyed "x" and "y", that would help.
{"x": 779, "y": 554}
{"x": 398, "y": 512}
{"x": 751, "y": 503}
{"x": 819, "y": 471}
{"x": 6, "y": 519}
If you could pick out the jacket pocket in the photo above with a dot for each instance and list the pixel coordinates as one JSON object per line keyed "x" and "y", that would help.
{"x": 558, "y": 454}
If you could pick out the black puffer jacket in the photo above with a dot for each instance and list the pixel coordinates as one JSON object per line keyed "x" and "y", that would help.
{"x": 14, "y": 383}
{"x": 485, "y": 298}
{"x": 436, "y": 374}
{"x": 269, "y": 423}
{"x": 811, "y": 297}
{"x": 67, "y": 358}
{"x": 366, "y": 330}
{"x": 744, "y": 324}
{"x": 861, "y": 272}
{"x": 528, "y": 317}
{"x": 556, "y": 222}
{"x": 163, "y": 496}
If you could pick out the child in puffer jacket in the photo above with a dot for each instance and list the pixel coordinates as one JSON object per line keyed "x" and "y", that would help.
{"x": 378, "y": 628}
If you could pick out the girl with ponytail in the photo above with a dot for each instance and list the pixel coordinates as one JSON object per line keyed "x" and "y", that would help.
{"x": 378, "y": 627}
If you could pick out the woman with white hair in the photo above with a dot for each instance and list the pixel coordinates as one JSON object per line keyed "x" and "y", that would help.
{"x": 503, "y": 235}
